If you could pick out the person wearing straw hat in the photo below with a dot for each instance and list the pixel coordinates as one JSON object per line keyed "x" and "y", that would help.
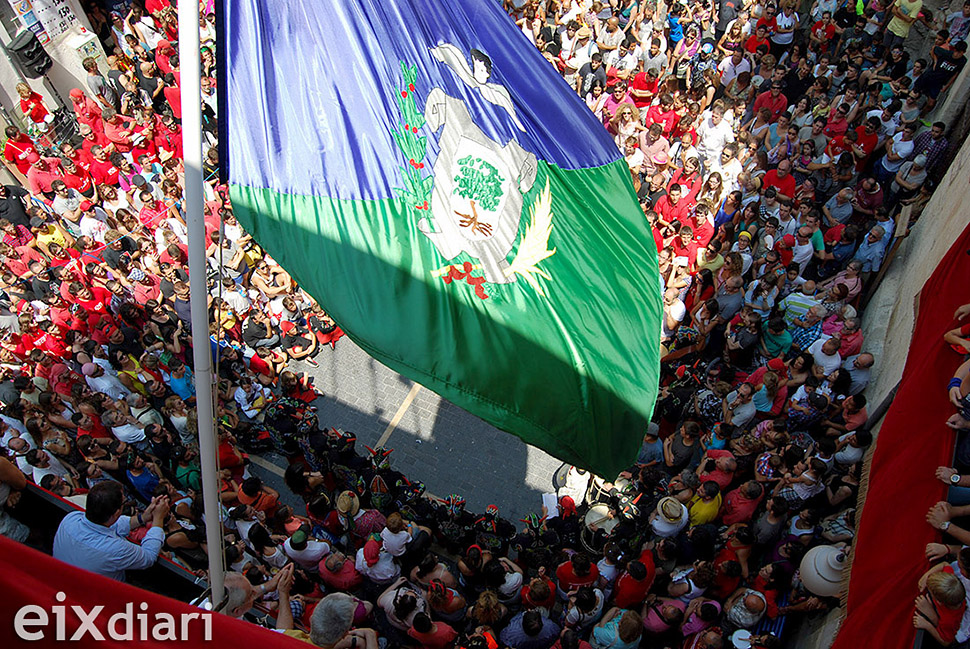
{"x": 357, "y": 522}
{"x": 669, "y": 518}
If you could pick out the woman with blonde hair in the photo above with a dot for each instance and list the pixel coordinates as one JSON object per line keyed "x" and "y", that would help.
{"x": 488, "y": 610}
{"x": 625, "y": 123}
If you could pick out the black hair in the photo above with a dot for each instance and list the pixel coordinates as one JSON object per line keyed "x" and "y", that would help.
{"x": 104, "y": 499}
{"x": 478, "y": 55}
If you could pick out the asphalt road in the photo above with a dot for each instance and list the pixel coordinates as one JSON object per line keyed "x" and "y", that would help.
{"x": 434, "y": 441}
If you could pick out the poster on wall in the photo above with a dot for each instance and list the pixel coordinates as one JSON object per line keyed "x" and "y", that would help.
{"x": 28, "y": 17}
{"x": 55, "y": 15}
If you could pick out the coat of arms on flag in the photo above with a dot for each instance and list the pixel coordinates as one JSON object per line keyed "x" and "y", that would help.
{"x": 476, "y": 185}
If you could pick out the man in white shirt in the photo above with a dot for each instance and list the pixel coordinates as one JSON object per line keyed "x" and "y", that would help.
{"x": 376, "y": 564}
{"x": 305, "y": 551}
{"x": 826, "y": 354}
{"x": 728, "y": 165}
{"x": 100, "y": 381}
{"x": 713, "y": 133}
{"x": 732, "y": 66}
{"x": 674, "y": 312}
{"x": 128, "y": 431}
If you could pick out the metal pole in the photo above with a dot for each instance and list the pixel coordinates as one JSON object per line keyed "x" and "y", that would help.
{"x": 189, "y": 55}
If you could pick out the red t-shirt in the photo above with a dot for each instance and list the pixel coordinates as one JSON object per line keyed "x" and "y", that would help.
{"x": 737, "y": 508}
{"x": 669, "y": 212}
{"x": 16, "y": 151}
{"x": 784, "y": 185}
{"x": 530, "y": 602}
{"x": 569, "y": 580}
{"x": 629, "y": 592}
{"x": 80, "y": 180}
{"x": 680, "y": 250}
{"x": 104, "y": 172}
{"x": 641, "y": 83}
{"x": 33, "y": 108}
{"x": 97, "y": 303}
{"x": 776, "y": 105}
{"x": 703, "y": 233}
{"x": 690, "y": 187}
{"x": 751, "y": 45}
{"x": 824, "y": 32}
{"x": 867, "y": 142}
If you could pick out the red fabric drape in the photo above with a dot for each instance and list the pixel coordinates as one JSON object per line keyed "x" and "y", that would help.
{"x": 30, "y": 577}
{"x": 913, "y": 441}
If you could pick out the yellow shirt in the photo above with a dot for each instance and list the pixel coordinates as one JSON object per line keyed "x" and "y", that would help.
{"x": 52, "y": 235}
{"x": 702, "y": 512}
{"x": 910, "y": 10}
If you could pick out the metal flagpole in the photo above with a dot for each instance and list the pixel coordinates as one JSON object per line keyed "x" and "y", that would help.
{"x": 191, "y": 89}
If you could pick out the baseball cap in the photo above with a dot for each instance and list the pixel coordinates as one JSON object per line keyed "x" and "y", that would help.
{"x": 86, "y": 205}
{"x": 88, "y": 369}
{"x": 298, "y": 540}
{"x": 745, "y": 234}
{"x": 788, "y": 240}
{"x": 920, "y": 160}
{"x": 77, "y": 93}
{"x": 776, "y": 365}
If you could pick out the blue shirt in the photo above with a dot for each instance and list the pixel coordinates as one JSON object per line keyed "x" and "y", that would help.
{"x": 651, "y": 452}
{"x": 184, "y": 387}
{"x": 105, "y": 550}
{"x": 870, "y": 254}
{"x": 514, "y": 636}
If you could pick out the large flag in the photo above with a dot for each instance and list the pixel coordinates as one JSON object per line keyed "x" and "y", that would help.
{"x": 425, "y": 174}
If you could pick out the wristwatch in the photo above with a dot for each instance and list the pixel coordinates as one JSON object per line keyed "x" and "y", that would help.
{"x": 945, "y": 526}
{"x": 955, "y": 478}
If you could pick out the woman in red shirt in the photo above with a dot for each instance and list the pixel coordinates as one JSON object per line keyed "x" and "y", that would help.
{"x": 32, "y": 105}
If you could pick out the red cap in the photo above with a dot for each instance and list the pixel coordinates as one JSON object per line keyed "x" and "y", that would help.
{"x": 86, "y": 205}
{"x": 372, "y": 552}
{"x": 789, "y": 240}
{"x": 163, "y": 45}
{"x": 776, "y": 365}
{"x": 77, "y": 93}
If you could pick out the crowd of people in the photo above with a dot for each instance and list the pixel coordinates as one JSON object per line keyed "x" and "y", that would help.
{"x": 772, "y": 153}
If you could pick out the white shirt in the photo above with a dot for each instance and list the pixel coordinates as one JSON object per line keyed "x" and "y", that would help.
{"x": 729, "y": 70}
{"x": 310, "y": 556}
{"x": 108, "y": 385}
{"x": 828, "y": 363}
{"x": 802, "y": 253}
{"x": 711, "y": 138}
{"x": 850, "y": 454}
{"x": 900, "y": 148}
{"x": 128, "y": 433}
{"x": 677, "y": 311}
{"x": 382, "y": 572}
{"x": 395, "y": 543}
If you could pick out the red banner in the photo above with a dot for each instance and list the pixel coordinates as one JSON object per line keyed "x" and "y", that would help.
{"x": 913, "y": 441}
{"x": 47, "y": 601}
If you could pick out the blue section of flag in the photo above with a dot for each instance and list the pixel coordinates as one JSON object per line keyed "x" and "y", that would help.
{"x": 333, "y": 69}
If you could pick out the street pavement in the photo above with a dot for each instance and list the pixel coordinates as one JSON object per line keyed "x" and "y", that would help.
{"x": 434, "y": 441}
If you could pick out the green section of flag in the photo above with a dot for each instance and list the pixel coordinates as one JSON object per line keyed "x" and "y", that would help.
{"x": 566, "y": 357}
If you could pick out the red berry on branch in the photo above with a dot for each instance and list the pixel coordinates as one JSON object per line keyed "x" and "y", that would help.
{"x": 467, "y": 266}
{"x": 404, "y": 94}
{"x": 414, "y": 129}
{"x": 420, "y": 165}
{"x": 407, "y": 128}
{"x": 411, "y": 87}
{"x": 425, "y": 206}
